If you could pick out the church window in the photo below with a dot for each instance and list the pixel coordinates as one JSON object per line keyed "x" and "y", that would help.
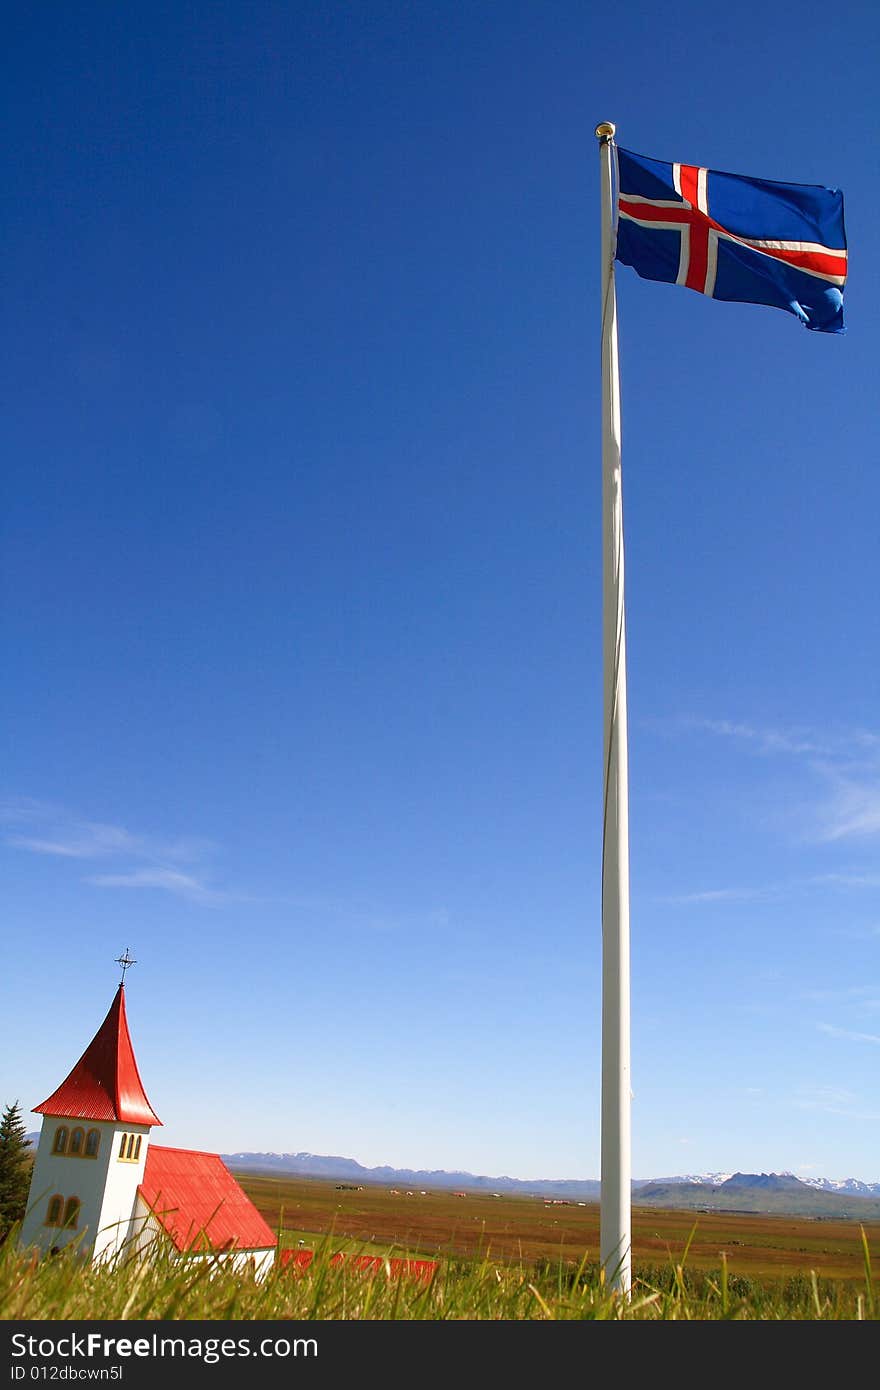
{"x": 130, "y": 1147}
{"x": 60, "y": 1144}
{"x": 71, "y": 1212}
{"x": 93, "y": 1139}
{"x": 77, "y": 1139}
{"x": 56, "y": 1206}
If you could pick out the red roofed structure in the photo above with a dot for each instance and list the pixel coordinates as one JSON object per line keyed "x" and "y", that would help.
{"x": 198, "y": 1203}
{"x": 299, "y": 1261}
{"x": 105, "y": 1083}
{"x": 99, "y": 1184}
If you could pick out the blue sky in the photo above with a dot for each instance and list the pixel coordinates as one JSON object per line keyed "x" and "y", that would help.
{"x": 301, "y": 597}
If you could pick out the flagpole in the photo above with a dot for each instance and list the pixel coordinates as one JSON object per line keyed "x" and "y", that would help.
{"x": 615, "y": 1215}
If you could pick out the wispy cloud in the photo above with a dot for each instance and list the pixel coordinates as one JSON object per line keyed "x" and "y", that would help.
{"x": 148, "y": 861}
{"x": 846, "y": 878}
{"x": 824, "y": 1098}
{"x": 85, "y": 841}
{"x": 718, "y": 895}
{"x": 787, "y": 888}
{"x": 842, "y": 1104}
{"x": 864, "y": 998}
{"x": 43, "y": 828}
{"x": 844, "y": 1107}
{"x": 763, "y": 740}
{"x": 849, "y": 1035}
{"x": 853, "y": 807}
{"x": 843, "y": 764}
{"x": 171, "y": 880}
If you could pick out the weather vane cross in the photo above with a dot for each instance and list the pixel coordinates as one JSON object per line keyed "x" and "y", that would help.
{"x": 125, "y": 960}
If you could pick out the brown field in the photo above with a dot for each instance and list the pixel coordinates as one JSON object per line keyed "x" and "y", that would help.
{"x": 766, "y": 1248}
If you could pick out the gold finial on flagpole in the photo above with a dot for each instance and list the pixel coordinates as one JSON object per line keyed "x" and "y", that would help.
{"x": 605, "y": 130}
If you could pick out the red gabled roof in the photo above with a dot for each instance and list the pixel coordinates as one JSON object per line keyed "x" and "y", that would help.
{"x": 105, "y": 1083}
{"x": 199, "y": 1203}
{"x": 298, "y": 1261}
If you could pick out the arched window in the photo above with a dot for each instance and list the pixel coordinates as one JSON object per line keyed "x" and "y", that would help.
{"x": 60, "y": 1144}
{"x": 71, "y": 1213}
{"x": 56, "y": 1206}
{"x": 130, "y": 1147}
{"x": 77, "y": 1139}
{"x": 93, "y": 1139}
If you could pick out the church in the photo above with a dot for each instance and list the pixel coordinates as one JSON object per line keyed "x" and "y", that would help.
{"x": 99, "y": 1182}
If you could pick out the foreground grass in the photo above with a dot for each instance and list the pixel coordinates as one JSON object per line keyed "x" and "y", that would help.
{"x": 67, "y": 1289}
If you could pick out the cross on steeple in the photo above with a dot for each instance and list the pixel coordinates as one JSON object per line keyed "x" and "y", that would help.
{"x": 125, "y": 960}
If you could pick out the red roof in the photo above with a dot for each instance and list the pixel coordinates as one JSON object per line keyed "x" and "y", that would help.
{"x": 299, "y": 1260}
{"x": 199, "y": 1203}
{"x": 105, "y": 1083}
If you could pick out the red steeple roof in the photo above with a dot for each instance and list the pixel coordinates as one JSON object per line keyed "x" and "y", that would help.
{"x": 105, "y": 1083}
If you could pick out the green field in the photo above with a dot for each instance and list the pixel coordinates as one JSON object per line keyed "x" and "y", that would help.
{"x": 533, "y": 1231}
{"x": 494, "y": 1259}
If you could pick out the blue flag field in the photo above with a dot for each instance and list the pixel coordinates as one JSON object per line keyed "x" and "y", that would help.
{"x": 730, "y": 237}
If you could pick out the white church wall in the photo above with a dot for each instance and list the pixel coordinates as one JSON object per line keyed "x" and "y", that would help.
{"x": 69, "y": 1175}
{"x": 120, "y": 1194}
{"x": 262, "y": 1261}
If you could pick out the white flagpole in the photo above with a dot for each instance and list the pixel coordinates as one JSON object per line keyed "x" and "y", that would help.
{"x": 615, "y": 1236}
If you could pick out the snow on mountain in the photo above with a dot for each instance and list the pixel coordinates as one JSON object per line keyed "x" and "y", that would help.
{"x": 701, "y": 1179}
{"x": 850, "y": 1187}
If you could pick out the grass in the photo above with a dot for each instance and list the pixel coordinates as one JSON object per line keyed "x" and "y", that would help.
{"x": 485, "y": 1289}
{"x": 525, "y": 1231}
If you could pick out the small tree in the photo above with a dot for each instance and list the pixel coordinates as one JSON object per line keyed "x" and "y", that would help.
{"x": 16, "y": 1161}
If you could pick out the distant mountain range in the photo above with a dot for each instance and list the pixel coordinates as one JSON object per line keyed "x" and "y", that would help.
{"x": 764, "y": 1192}
{"x": 849, "y": 1187}
{"x": 782, "y": 1193}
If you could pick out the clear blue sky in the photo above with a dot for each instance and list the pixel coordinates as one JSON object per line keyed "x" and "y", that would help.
{"x": 301, "y": 603}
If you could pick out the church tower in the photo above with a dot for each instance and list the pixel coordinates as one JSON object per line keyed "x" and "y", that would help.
{"x": 93, "y": 1146}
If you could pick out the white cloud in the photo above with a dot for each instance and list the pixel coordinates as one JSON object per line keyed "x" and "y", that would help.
{"x": 843, "y": 764}
{"x": 847, "y": 878}
{"x": 853, "y": 810}
{"x": 856, "y": 996}
{"x": 53, "y": 830}
{"x": 764, "y": 741}
{"x": 170, "y": 880}
{"x": 823, "y": 1098}
{"x": 831, "y": 1102}
{"x": 81, "y": 841}
{"x": 146, "y": 861}
{"x": 787, "y": 888}
{"x": 716, "y": 895}
{"x": 850, "y": 1036}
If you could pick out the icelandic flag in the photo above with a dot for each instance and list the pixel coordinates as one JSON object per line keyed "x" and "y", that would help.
{"x": 730, "y": 237}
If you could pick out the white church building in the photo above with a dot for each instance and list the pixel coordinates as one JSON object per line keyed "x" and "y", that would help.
{"x": 100, "y": 1182}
